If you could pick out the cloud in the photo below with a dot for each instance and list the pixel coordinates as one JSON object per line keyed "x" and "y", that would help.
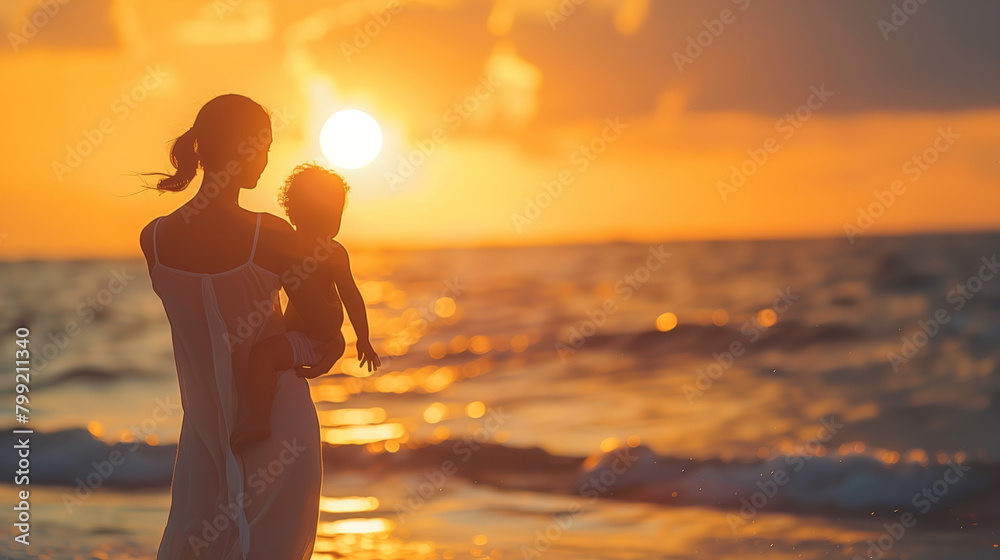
{"x": 516, "y": 98}
{"x": 218, "y": 23}
{"x": 30, "y": 25}
{"x": 943, "y": 58}
{"x": 627, "y": 15}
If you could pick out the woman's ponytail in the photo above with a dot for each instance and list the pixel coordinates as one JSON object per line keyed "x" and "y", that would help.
{"x": 184, "y": 158}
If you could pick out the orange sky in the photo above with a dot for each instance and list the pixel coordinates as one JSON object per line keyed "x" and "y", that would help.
{"x": 557, "y": 83}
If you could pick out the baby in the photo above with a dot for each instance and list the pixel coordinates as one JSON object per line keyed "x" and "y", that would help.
{"x": 313, "y": 198}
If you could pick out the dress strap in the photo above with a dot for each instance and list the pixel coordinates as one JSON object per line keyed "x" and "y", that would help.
{"x": 156, "y": 255}
{"x": 256, "y": 234}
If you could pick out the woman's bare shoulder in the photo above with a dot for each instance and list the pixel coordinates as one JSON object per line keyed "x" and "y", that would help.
{"x": 146, "y": 240}
{"x": 275, "y": 229}
{"x": 278, "y": 244}
{"x": 269, "y": 220}
{"x": 146, "y": 235}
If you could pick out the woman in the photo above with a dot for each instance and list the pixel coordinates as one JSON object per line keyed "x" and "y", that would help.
{"x": 218, "y": 268}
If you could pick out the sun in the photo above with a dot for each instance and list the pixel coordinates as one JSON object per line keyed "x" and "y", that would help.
{"x": 350, "y": 139}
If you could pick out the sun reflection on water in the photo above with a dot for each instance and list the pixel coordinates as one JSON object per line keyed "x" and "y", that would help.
{"x": 399, "y": 329}
{"x": 411, "y": 333}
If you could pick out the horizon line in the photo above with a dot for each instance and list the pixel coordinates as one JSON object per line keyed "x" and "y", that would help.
{"x": 387, "y": 247}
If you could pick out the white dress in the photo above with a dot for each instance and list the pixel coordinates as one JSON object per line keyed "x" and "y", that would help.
{"x": 262, "y": 504}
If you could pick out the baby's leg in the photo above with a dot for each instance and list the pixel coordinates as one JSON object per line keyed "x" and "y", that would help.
{"x": 325, "y": 355}
{"x": 267, "y": 357}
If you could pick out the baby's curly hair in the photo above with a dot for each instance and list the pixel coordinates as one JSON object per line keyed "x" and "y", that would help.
{"x": 296, "y": 190}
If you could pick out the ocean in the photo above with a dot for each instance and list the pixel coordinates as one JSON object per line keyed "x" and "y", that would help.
{"x": 775, "y": 399}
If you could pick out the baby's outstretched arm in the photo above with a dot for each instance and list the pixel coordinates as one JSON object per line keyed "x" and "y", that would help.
{"x": 355, "y": 306}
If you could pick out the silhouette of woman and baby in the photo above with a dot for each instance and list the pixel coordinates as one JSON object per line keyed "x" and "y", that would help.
{"x": 248, "y": 470}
